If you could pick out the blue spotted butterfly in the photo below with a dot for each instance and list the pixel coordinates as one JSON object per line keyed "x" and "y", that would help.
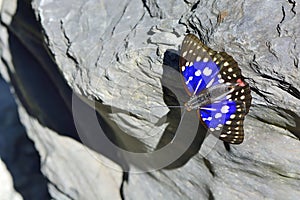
{"x": 216, "y": 88}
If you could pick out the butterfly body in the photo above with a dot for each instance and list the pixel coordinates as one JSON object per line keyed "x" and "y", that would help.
{"x": 216, "y": 88}
{"x": 209, "y": 96}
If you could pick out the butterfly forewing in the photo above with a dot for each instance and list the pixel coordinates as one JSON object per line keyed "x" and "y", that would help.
{"x": 203, "y": 68}
{"x": 196, "y": 65}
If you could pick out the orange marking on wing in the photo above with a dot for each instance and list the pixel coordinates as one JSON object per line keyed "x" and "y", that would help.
{"x": 240, "y": 82}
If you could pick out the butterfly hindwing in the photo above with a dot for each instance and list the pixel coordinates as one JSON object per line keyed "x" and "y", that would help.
{"x": 225, "y": 118}
{"x": 233, "y": 131}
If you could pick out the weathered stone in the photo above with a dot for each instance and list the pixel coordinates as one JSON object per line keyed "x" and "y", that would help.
{"x": 7, "y": 192}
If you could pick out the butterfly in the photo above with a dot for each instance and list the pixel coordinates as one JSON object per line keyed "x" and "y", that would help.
{"x": 217, "y": 89}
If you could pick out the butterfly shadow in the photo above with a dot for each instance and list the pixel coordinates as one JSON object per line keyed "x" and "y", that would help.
{"x": 174, "y": 97}
{"x": 295, "y": 130}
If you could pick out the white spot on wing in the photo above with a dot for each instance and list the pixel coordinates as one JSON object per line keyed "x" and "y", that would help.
{"x": 198, "y": 72}
{"x": 183, "y": 68}
{"x": 207, "y": 71}
{"x": 221, "y": 80}
{"x": 184, "y": 54}
{"x": 205, "y": 59}
{"x": 228, "y": 122}
{"x": 226, "y": 64}
{"x": 232, "y": 116}
{"x": 225, "y": 109}
{"x": 190, "y": 78}
{"x": 218, "y": 115}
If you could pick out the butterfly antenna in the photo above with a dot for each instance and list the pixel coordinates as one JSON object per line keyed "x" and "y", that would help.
{"x": 167, "y": 106}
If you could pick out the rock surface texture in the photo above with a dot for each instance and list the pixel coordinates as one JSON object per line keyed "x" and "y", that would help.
{"x": 121, "y": 58}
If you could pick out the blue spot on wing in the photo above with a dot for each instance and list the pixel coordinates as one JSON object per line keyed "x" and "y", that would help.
{"x": 202, "y": 72}
{"x": 212, "y": 114}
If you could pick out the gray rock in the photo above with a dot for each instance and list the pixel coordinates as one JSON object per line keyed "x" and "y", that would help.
{"x": 43, "y": 112}
{"x": 7, "y": 191}
{"x": 120, "y": 54}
